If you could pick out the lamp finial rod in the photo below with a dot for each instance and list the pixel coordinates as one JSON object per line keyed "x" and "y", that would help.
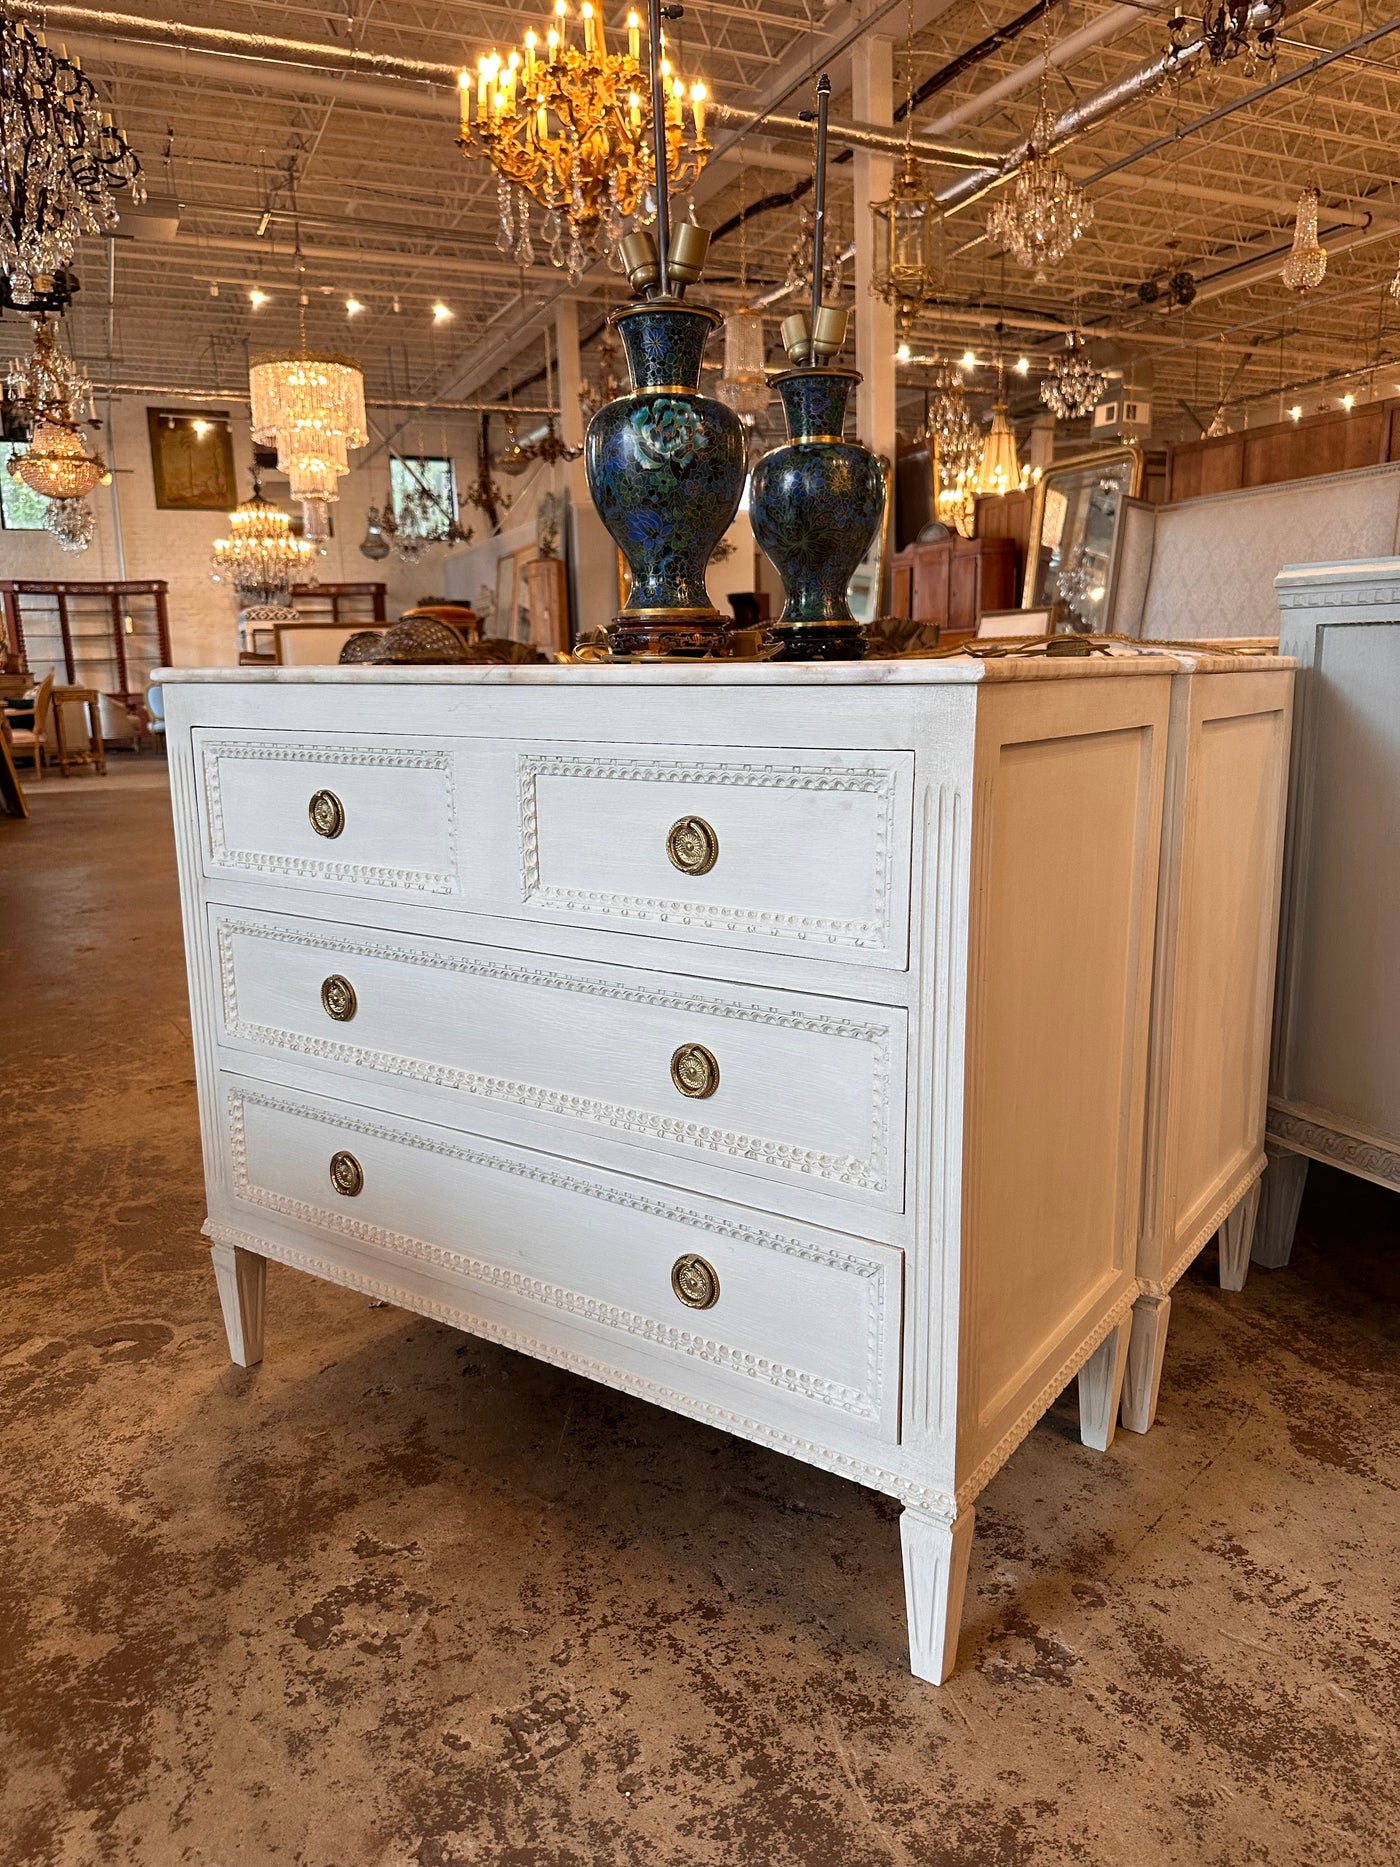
{"x": 819, "y": 202}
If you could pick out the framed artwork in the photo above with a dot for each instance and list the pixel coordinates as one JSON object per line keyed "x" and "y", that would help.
{"x": 192, "y": 460}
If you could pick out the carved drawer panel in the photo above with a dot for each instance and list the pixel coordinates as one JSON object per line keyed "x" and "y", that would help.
{"x": 367, "y": 815}
{"x": 804, "y": 852}
{"x": 782, "y": 1085}
{"x": 777, "y": 1313}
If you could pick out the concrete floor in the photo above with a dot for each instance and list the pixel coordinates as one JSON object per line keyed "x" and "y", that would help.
{"x": 399, "y": 1597}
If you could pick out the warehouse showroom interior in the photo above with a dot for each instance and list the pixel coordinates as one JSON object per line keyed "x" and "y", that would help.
{"x": 700, "y": 933}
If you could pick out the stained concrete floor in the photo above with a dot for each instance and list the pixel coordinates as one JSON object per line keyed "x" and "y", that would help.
{"x": 398, "y": 1598}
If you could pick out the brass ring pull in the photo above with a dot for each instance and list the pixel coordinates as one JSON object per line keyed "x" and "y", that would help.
{"x": 338, "y": 998}
{"x": 695, "y": 1282}
{"x": 695, "y": 1071}
{"x": 327, "y": 813}
{"x": 692, "y": 846}
{"x": 347, "y": 1175}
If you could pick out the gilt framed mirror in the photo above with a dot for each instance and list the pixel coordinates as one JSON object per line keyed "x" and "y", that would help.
{"x": 1075, "y": 531}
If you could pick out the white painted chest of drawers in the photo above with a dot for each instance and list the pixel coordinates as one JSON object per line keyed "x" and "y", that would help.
{"x": 767, "y": 1042}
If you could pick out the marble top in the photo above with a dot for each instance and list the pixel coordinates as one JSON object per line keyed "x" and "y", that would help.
{"x": 911, "y": 671}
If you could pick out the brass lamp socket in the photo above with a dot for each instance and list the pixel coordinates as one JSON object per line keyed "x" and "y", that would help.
{"x": 685, "y": 257}
{"x": 797, "y": 338}
{"x": 640, "y": 261}
{"x": 830, "y": 333}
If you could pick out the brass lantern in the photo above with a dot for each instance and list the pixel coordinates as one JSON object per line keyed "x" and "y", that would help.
{"x": 906, "y": 270}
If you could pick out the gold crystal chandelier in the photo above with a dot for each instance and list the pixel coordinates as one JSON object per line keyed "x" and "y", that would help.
{"x": 54, "y": 395}
{"x": 567, "y": 125}
{"x": 1042, "y": 212}
{"x": 261, "y": 555}
{"x": 311, "y": 407}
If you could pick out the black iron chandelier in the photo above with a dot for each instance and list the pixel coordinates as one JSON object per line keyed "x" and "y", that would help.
{"x": 62, "y": 160}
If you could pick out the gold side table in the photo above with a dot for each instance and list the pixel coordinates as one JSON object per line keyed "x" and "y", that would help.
{"x": 95, "y": 752}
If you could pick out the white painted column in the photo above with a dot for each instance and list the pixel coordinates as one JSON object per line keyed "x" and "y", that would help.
{"x": 593, "y": 553}
{"x": 872, "y": 101}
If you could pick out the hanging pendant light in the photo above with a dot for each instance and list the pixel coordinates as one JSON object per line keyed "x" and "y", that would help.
{"x": 375, "y": 546}
{"x": 999, "y": 470}
{"x": 1306, "y": 265}
{"x": 1042, "y": 212}
{"x": 906, "y": 271}
{"x": 50, "y": 391}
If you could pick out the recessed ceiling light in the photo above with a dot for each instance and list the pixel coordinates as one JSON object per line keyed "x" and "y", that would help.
{"x": 441, "y": 313}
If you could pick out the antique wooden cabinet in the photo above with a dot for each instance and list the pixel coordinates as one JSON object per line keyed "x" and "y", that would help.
{"x": 1212, "y": 987}
{"x": 1334, "y": 1082}
{"x": 953, "y": 580}
{"x": 767, "y": 1041}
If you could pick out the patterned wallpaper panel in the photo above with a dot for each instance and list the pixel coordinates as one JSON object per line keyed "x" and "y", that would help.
{"x": 1214, "y": 560}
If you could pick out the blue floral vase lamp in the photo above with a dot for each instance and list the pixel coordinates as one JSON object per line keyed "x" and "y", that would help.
{"x": 817, "y": 502}
{"x": 665, "y": 464}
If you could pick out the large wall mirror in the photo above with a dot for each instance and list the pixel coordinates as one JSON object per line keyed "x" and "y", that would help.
{"x": 1075, "y": 530}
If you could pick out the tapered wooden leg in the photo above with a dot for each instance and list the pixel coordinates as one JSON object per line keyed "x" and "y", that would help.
{"x": 1233, "y": 1241}
{"x": 936, "y": 1551}
{"x": 1101, "y": 1388}
{"x": 1142, "y": 1380}
{"x": 1281, "y": 1194}
{"x": 242, "y": 1280}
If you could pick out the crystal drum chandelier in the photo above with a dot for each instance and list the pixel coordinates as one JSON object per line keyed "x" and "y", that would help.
{"x": 55, "y": 397}
{"x": 744, "y": 384}
{"x": 312, "y": 408}
{"x": 261, "y": 555}
{"x": 1041, "y": 213}
{"x": 1073, "y": 386}
{"x": 62, "y": 162}
{"x": 567, "y": 124}
{"x": 1306, "y": 265}
{"x": 906, "y": 271}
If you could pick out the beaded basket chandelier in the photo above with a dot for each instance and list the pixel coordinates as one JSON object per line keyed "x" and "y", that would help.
{"x": 312, "y": 408}
{"x": 568, "y": 126}
{"x": 1042, "y": 212}
{"x": 62, "y": 162}
{"x": 1306, "y": 265}
{"x": 1073, "y": 386}
{"x": 261, "y": 555}
{"x": 55, "y": 397}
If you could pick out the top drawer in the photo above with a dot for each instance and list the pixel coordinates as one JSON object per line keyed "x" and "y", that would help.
{"x": 800, "y": 851}
{"x": 365, "y": 815}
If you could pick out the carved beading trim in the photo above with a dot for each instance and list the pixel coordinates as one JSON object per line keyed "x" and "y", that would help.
{"x": 870, "y": 1175}
{"x": 1360, "y": 1154}
{"x": 876, "y": 781}
{"x": 365, "y": 874}
{"x": 1203, "y": 1233}
{"x": 978, "y": 1480}
{"x": 1383, "y": 593}
{"x": 861, "y": 1404}
{"x": 843, "y": 1464}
